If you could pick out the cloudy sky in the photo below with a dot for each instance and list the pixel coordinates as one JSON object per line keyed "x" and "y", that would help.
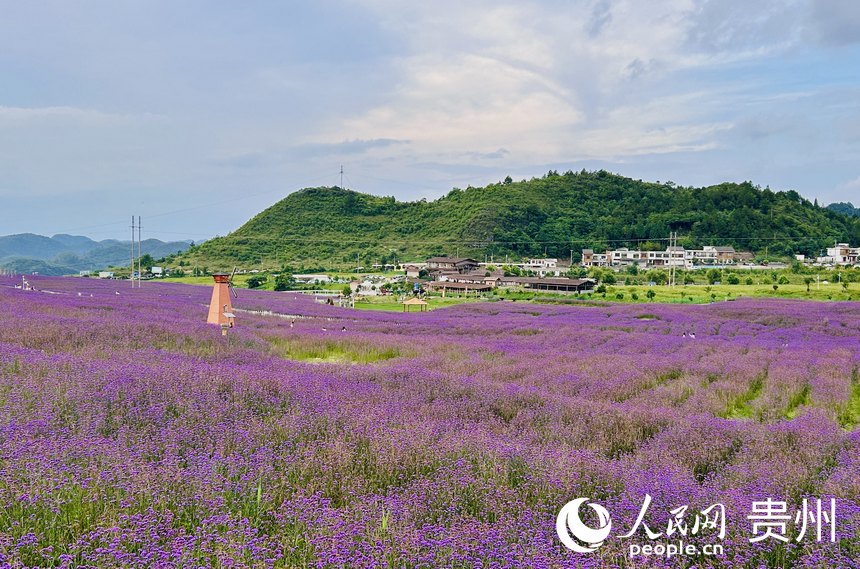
{"x": 196, "y": 115}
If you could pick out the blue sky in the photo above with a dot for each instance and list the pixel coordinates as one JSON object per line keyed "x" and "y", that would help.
{"x": 197, "y": 115}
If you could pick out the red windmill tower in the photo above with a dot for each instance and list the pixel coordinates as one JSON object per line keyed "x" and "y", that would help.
{"x": 220, "y": 307}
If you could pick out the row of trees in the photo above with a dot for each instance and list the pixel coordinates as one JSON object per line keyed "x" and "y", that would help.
{"x": 724, "y": 276}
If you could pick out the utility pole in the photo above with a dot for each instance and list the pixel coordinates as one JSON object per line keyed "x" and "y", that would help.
{"x": 671, "y": 259}
{"x": 139, "y": 253}
{"x": 131, "y": 265}
{"x": 341, "y": 176}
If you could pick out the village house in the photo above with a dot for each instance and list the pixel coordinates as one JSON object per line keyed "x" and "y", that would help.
{"x": 550, "y": 284}
{"x": 540, "y": 267}
{"x": 725, "y": 254}
{"x": 676, "y": 256}
{"x": 480, "y": 281}
{"x": 841, "y": 254}
{"x": 671, "y": 257}
{"x": 545, "y": 267}
{"x": 458, "y": 264}
{"x": 477, "y": 276}
{"x": 625, "y": 257}
{"x": 468, "y": 285}
{"x": 592, "y": 259}
{"x": 704, "y": 256}
{"x": 413, "y": 270}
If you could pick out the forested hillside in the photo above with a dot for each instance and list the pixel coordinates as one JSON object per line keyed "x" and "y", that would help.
{"x": 552, "y": 215}
{"x": 846, "y": 208}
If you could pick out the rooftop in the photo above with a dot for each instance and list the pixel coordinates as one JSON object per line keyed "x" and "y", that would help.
{"x": 454, "y": 260}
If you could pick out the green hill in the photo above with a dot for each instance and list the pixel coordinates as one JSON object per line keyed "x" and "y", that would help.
{"x": 552, "y": 215}
{"x": 846, "y": 208}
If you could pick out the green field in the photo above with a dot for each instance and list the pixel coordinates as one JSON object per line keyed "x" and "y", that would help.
{"x": 707, "y": 293}
{"x": 241, "y": 281}
{"x": 688, "y": 294}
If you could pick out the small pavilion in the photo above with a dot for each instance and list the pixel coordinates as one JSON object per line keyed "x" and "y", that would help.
{"x": 414, "y": 301}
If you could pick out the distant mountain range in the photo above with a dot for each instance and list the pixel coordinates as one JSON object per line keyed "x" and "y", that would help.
{"x": 556, "y": 216}
{"x": 69, "y": 254}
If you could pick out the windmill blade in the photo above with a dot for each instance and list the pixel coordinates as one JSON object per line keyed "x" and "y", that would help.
{"x": 230, "y": 282}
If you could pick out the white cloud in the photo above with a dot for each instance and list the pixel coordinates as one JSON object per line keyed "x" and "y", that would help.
{"x": 548, "y": 85}
{"x": 422, "y": 96}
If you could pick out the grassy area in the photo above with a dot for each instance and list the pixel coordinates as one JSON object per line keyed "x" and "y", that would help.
{"x": 241, "y": 281}
{"x": 712, "y": 293}
{"x": 393, "y": 303}
{"x": 699, "y": 293}
{"x": 347, "y": 350}
{"x": 741, "y": 406}
{"x": 196, "y": 280}
{"x": 687, "y": 294}
{"x": 849, "y": 415}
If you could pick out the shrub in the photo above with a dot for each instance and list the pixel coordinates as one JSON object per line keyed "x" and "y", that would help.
{"x": 256, "y": 281}
{"x": 284, "y": 281}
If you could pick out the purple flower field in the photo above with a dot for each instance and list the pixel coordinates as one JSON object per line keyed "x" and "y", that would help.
{"x": 132, "y": 434}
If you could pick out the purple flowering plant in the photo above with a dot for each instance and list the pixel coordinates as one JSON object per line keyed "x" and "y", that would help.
{"x": 132, "y": 434}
